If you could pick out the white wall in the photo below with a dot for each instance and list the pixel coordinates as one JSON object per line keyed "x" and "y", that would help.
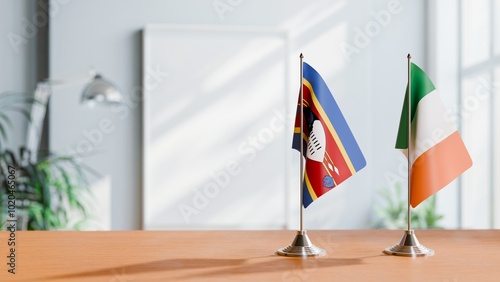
{"x": 17, "y": 57}
{"x": 368, "y": 85}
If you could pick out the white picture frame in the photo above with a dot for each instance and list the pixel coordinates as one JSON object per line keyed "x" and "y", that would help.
{"x": 217, "y": 127}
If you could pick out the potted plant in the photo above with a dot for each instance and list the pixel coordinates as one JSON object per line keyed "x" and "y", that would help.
{"x": 393, "y": 213}
{"x": 47, "y": 194}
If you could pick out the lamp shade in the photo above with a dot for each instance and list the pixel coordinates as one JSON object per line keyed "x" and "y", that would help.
{"x": 101, "y": 91}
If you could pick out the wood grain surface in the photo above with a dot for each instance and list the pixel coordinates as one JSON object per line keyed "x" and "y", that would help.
{"x": 352, "y": 255}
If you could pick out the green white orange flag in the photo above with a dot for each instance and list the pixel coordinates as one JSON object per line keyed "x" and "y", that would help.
{"x": 437, "y": 153}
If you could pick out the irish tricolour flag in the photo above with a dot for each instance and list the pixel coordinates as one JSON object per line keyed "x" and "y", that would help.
{"x": 437, "y": 152}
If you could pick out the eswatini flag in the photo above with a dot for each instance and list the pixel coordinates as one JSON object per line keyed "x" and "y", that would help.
{"x": 437, "y": 152}
{"x": 331, "y": 152}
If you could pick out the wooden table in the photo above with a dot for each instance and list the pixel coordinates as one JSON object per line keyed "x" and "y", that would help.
{"x": 353, "y": 255}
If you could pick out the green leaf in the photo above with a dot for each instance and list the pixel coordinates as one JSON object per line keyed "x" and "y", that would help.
{"x": 392, "y": 213}
{"x": 56, "y": 187}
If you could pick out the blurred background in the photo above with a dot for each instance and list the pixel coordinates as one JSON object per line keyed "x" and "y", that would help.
{"x": 202, "y": 136}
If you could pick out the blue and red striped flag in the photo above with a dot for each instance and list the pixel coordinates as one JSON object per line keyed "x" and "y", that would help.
{"x": 331, "y": 151}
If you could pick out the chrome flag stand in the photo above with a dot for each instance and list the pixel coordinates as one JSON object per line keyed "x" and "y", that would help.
{"x": 409, "y": 245}
{"x": 301, "y": 245}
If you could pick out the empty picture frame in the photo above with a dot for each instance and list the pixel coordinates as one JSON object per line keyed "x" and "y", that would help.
{"x": 216, "y": 129}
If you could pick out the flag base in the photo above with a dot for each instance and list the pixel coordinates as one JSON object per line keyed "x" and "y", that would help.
{"x": 301, "y": 247}
{"x": 409, "y": 247}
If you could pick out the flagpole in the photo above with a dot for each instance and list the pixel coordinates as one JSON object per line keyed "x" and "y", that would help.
{"x": 301, "y": 178}
{"x": 301, "y": 245}
{"x": 409, "y": 139}
{"x": 409, "y": 246}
